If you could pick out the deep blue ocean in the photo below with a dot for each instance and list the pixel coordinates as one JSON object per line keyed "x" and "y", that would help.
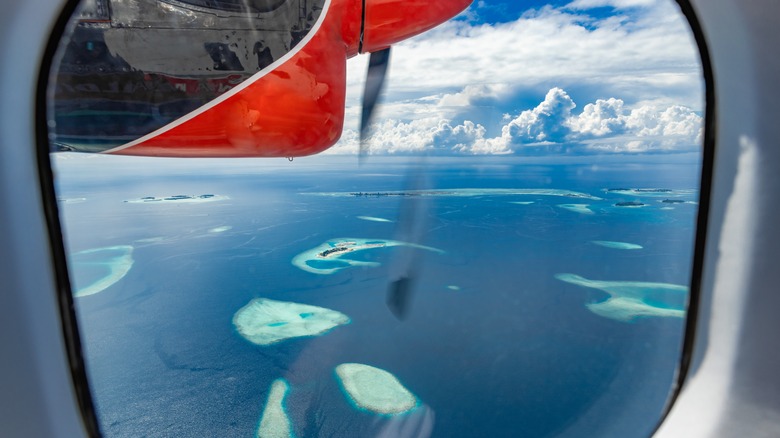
{"x": 493, "y": 343}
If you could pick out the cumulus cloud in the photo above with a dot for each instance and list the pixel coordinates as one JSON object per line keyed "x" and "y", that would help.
{"x": 391, "y": 136}
{"x": 599, "y": 118}
{"x": 605, "y": 125}
{"x": 545, "y": 123}
{"x": 431, "y": 136}
{"x": 459, "y": 137}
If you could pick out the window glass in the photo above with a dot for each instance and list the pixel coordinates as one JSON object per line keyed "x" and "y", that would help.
{"x": 510, "y": 258}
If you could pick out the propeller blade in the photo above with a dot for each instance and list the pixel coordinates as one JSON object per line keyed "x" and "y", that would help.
{"x": 411, "y": 228}
{"x": 375, "y": 80}
{"x": 399, "y": 295}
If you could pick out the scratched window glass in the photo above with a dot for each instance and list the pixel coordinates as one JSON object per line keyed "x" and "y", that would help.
{"x": 367, "y": 218}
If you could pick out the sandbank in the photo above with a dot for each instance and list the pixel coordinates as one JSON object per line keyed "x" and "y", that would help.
{"x": 374, "y": 389}
{"x": 616, "y": 245}
{"x": 275, "y": 423}
{"x": 374, "y": 219}
{"x": 632, "y": 299}
{"x": 266, "y": 322}
{"x": 221, "y": 229}
{"x": 114, "y": 262}
{"x": 71, "y": 200}
{"x": 577, "y": 208}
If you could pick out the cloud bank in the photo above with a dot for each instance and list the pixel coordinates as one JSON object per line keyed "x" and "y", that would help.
{"x": 554, "y": 125}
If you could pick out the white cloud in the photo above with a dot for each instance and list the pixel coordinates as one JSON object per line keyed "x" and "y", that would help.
{"x": 606, "y": 125}
{"x": 545, "y": 123}
{"x": 474, "y": 95}
{"x": 392, "y": 136}
{"x": 617, "y": 4}
{"x": 460, "y": 136}
{"x": 599, "y": 118}
{"x": 468, "y": 87}
{"x": 638, "y": 55}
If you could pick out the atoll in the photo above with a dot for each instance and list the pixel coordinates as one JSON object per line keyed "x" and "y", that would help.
{"x": 327, "y": 257}
{"x": 632, "y": 299}
{"x": 467, "y": 192}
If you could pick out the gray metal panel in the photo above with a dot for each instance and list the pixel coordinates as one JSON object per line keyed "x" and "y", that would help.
{"x": 734, "y": 389}
{"x": 37, "y": 397}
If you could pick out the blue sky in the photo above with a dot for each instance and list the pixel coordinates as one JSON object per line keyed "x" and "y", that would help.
{"x": 539, "y": 78}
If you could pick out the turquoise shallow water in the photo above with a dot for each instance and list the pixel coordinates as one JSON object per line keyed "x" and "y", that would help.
{"x": 493, "y": 343}
{"x": 632, "y": 299}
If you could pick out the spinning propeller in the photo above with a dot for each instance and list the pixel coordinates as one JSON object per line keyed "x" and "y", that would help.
{"x": 378, "y": 63}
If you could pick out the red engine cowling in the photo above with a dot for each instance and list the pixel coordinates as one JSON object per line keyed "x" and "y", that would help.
{"x": 390, "y": 21}
{"x": 294, "y": 106}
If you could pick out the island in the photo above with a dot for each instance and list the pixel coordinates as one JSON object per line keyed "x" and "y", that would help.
{"x": 652, "y": 192}
{"x": 465, "y": 192}
{"x": 638, "y": 191}
{"x": 630, "y": 204}
{"x": 71, "y": 200}
{"x": 326, "y": 258}
{"x": 374, "y": 389}
{"x": 382, "y": 194}
{"x": 181, "y": 199}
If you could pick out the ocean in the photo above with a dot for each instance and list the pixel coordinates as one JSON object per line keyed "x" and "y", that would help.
{"x": 543, "y": 298}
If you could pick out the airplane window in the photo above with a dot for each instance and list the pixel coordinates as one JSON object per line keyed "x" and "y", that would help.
{"x": 504, "y": 249}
